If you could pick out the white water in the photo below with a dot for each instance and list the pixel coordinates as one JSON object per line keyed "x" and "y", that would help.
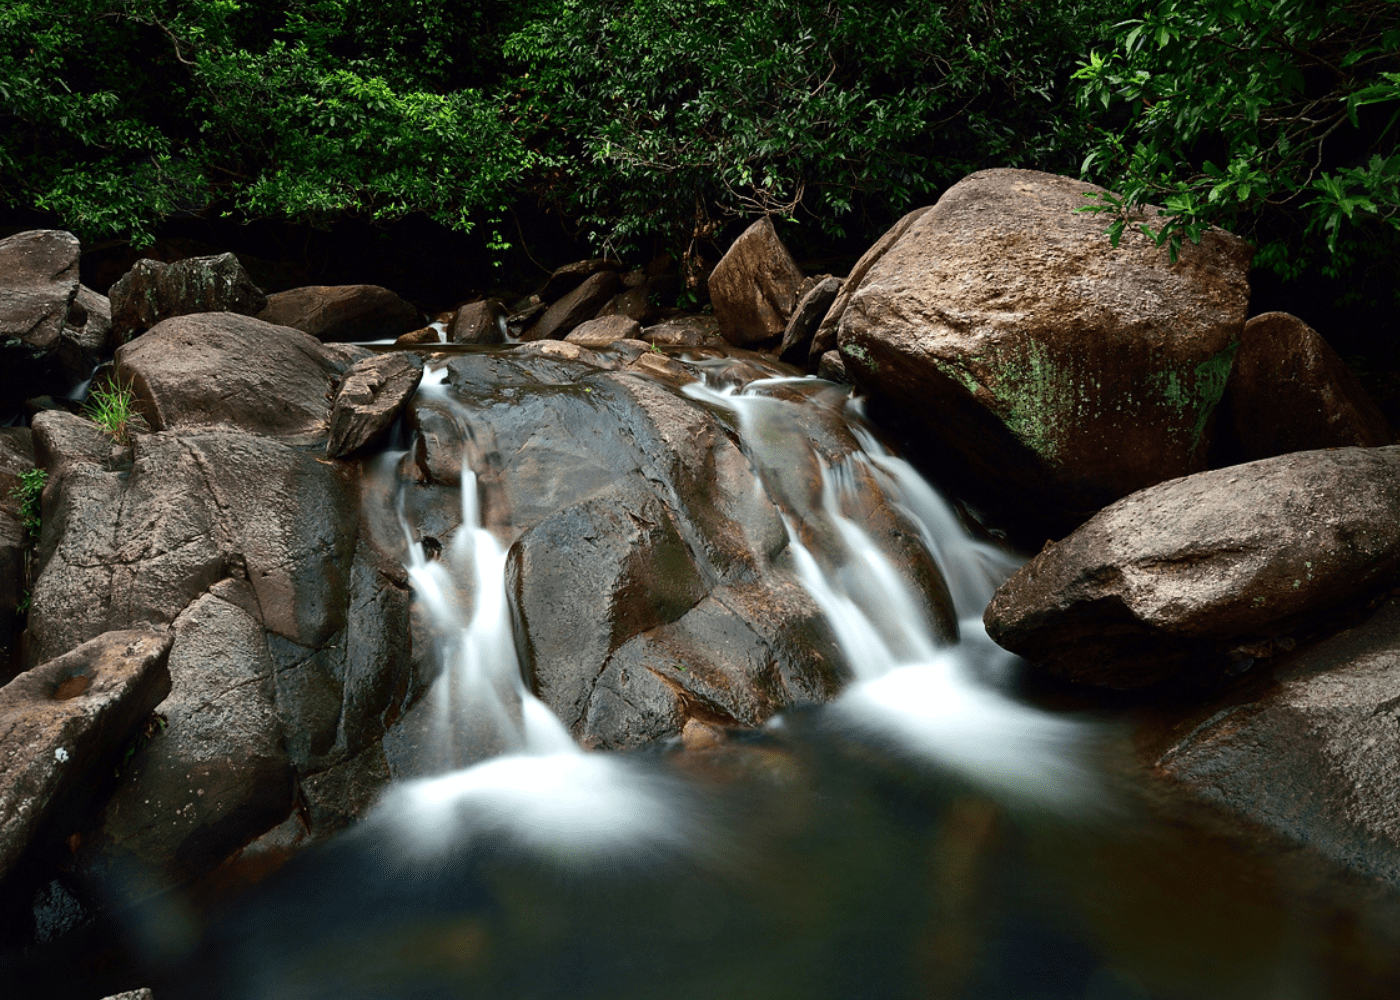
{"x": 510, "y": 768}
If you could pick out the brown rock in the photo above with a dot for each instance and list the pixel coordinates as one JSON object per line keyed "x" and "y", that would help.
{"x": 1044, "y": 362}
{"x": 427, "y": 335}
{"x": 16, "y": 456}
{"x": 86, "y": 337}
{"x": 685, "y": 331}
{"x": 38, "y": 281}
{"x": 153, "y": 291}
{"x": 833, "y": 369}
{"x": 581, "y": 304}
{"x": 1315, "y": 755}
{"x": 604, "y": 330}
{"x": 570, "y": 276}
{"x": 63, "y": 722}
{"x": 755, "y": 286}
{"x": 824, "y": 338}
{"x": 1290, "y": 392}
{"x": 208, "y": 370}
{"x": 342, "y": 313}
{"x": 369, "y": 400}
{"x": 811, "y": 310}
{"x": 481, "y": 322}
{"x": 1198, "y": 572}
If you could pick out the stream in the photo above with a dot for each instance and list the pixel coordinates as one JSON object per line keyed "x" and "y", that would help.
{"x": 930, "y": 833}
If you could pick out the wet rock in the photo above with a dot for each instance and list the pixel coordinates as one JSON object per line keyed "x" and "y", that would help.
{"x": 349, "y": 313}
{"x": 832, "y": 368}
{"x": 62, "y": 724}
{"x": 223, "y": 369}
{"x": 369, "y": 400}
{"x": 427, "y": 335}
{"x": 574, "y": 308}
{"x": 133, "y": 995}
{"x": 564, "y": 350}
{"x": 482, "y": 322}
{"x": 1315, "y": 755}
{"x": 153, "y": 291}
{"x": 685, "y": 331}
{"x": 16, "y": 456}
{"x": 1290, "y": 392}
{"x": 1043, "y": 362}
{"x": 570, "y": 276}
{"x": 605, "y": 330}
{"x": 824, "y": 338}
{"x": 755, "y": 286}
{"x": 806, "y": 318}
{"x": 217, "y": 775}
{"x": 1198, "y": 573}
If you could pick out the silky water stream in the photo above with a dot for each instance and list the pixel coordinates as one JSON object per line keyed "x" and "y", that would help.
{"x": 927, "y": 834}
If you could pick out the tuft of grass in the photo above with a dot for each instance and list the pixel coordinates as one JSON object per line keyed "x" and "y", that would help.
{"x": 29, "y": 492}
{"x": 111, "y": 405}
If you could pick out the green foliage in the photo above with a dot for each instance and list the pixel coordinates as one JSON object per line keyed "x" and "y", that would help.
{"x": 111, "y": 406}
{"x": 674, "y": 115}
{"x": 29, "y": 493}
{"x": 1274, "y": 118}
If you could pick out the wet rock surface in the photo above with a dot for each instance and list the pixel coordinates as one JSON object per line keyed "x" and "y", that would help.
{"x": 347, "y": 313}
{"x": 1199, "y": 573}
{"x": 1044, "y": 362}
{"x": 583, "y": 303}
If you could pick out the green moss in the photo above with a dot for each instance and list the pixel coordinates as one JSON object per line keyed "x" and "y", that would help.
{"x": 862, "y": 355}
{"x": 1195, "y": 392}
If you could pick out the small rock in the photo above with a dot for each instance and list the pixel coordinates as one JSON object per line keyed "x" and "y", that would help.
{"x": 685, "y": 331}
{"x": 342, "y": 313}
{"x": 370, "y": 398}
{"x": 579, "y": 305}
{"x": 810, "y": 311}
{"x": 605, "y": 330}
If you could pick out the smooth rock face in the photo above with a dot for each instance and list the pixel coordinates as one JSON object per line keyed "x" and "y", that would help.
{"x": 348, "y": 313}
{"x": 824, "y": 338}
{"x": 38, "y": 281}
{"x": 755, "y": 286}
{"x": 1050, "y": 366}
{"x": 1316, "y": 755}
{"x": 481, "y": 322}
{"x": 1290, "y": 392}
{"x": 581, "y": 304}
{"x": 63, "y": 722}
{"x": 223, "y": 369}
{"x": 649, "y": 567}
{"x": 1200, "y": 572}
{"x": 153, "y": 291}
{"x": 370, "y": 398}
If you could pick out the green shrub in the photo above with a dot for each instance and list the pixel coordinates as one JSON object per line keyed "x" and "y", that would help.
{"x": 29, "y": 493}
{"x": 110, "y": 405}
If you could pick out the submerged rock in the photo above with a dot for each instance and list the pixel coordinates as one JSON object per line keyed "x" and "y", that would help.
{"x": 1043, "y": 363}
{"x": 755, "y": 286}
{"x": 1197, "y": 574}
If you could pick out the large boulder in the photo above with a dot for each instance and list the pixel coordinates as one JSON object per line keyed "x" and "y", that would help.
{"x": 38, "y": 282}
{"x": 755, "y": 286}
{"x": 221, "y": 369}
{"x": 480, "y": 322}
{"x": 1054, "y": 371}
{"x": 1289, "y": 391}
{"x": 62, "y": 725}
{"x": 1207, "y": 572}
{"x": 1312, "y": 751}
{"x": 342, "y": 312}
{"x": 152, "y": 291}
{"x": 567, "y": 278}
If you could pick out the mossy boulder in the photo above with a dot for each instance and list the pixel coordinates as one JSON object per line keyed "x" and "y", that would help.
{"x": 1055, "y": 371}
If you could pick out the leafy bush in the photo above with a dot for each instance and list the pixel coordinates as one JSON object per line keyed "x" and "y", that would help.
{"x": 29, "y": 493}
{"x": 1275, "y": 118}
